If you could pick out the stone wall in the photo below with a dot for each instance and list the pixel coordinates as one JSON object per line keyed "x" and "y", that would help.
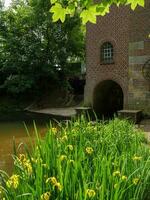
{"x": 139, "y": 54}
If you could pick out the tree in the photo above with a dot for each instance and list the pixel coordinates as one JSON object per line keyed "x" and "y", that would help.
{"x": 33, "y": 49}
{"x": 87, "y": 9}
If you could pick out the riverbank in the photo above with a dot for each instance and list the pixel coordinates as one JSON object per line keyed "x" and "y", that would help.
{"x": 79, "y": 157}
{"x": 12, "y": 126}
{"x": 69, "y": 112}
{"x": 62, "y": 112}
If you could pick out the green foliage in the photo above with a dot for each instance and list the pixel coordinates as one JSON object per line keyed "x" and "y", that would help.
{"x": 81, "y": 160}
{"x": 34, "y": 50}
{"x": 18, "y": 84}
{"x": 88, "y": 10}
{"x": 59, "y": 12}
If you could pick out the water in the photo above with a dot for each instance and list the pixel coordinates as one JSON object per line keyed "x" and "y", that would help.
{"x": 12, "y": 126}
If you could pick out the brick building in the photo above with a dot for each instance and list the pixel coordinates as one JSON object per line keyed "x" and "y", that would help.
{"x": 118, "y": 61}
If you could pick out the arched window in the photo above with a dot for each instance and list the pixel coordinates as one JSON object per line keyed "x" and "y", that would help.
{"x": 107, "y": 52}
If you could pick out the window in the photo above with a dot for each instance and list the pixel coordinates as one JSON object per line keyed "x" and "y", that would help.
{"x": 107, "y": 53}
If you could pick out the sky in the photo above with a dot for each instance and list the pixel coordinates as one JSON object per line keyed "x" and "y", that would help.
{"x": 7, "y": 2}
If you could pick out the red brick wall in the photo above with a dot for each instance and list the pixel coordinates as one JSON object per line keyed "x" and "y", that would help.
{"x": 121, "y": 27}
{"x": 113, "y": 28}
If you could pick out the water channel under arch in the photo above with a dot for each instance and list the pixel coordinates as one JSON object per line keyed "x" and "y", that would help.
{"x": 108, "y": 98}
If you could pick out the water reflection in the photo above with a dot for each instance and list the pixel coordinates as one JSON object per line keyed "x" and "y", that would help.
{"x": 15, "y": 129}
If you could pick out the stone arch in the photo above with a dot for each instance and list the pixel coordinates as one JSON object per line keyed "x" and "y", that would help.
{"x": 108, "y": 98}
{"x": 120, "y": 80}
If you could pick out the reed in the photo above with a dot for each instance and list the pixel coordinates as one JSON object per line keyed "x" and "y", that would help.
{"x": 81, "y": 160}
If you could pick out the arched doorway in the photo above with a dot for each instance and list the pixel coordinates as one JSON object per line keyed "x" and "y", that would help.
{"x": 108, "y": 98}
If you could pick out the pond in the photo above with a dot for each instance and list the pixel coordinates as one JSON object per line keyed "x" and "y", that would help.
{"x": 12, "y": 126}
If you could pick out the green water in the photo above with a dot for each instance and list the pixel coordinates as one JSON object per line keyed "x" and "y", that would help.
{"x": 13, "y": 127}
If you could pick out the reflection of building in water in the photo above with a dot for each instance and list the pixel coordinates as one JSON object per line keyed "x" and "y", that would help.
{"x": 117, "y": 49}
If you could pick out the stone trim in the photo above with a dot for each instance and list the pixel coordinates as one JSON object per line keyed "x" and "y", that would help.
{"x": 138, "y": 60}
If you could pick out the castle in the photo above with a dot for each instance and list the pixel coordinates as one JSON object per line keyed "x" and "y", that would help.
{"x": 118, "y": 61}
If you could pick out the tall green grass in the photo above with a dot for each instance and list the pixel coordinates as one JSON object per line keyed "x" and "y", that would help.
{"x": 81, "y": 160}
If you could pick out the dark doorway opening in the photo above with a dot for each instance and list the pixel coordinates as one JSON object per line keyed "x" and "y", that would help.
{"x": 108, "y": 99}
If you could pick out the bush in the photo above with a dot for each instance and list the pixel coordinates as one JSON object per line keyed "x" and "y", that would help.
{"x": 82, "y": 160}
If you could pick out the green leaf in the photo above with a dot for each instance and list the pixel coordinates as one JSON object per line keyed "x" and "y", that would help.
{"x": 53, "y": 1}
{"x": 70, "y": 9}
{"x": 89, "y": 15}
{"x": 58, "y": 12}
{"x": 102, "y": 9}
{"x": 89, "y": 9}
{"x": 135, "y": 3}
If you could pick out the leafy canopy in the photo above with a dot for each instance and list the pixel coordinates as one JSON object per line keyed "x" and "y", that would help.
{"x": 34, "y": 51}
{"x": 87, "y": 9}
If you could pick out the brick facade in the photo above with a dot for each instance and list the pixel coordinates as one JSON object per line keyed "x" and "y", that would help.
{"x": 128, "y": 32}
